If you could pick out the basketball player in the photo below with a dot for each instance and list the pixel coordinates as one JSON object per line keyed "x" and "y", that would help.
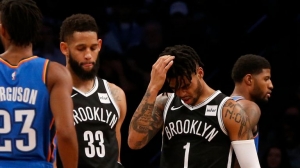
{"x": 34, "y": 93}
{"x": 252, "y": 79}
{"x": 99, "y": 106}
{"x": 199, "y": 124}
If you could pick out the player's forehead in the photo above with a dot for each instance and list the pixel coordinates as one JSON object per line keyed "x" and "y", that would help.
{"x": 266, "y": 70}
{"x": 86, "y": 35}
{"x": 83, "y": 39}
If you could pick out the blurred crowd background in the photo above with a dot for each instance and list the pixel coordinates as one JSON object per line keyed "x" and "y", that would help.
{"x": 135, "y": 32}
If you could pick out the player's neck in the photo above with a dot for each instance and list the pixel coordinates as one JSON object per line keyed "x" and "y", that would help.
{"x": 14, "y": 54}
{"x": 205, "y": 93}
{"x": 239, "y": 91}
{"x": 83, "y": 85}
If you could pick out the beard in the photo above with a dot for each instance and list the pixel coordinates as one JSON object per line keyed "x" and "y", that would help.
{"x": 80, "y": 72}
{"x": 258, "y": 95}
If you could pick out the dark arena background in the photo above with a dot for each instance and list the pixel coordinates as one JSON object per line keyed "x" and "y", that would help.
{"x": 135, "y": 32}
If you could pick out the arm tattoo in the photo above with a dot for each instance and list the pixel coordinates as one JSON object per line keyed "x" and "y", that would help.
{"x": 142, "y": 142}
{"x": 140, "y": 119}
{"x": 235, "y": 112}
{"x": 147, "y": 118}
{"x": 115, "y": 93}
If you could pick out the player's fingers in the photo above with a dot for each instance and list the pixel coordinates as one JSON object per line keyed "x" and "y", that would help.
{"x": 162, "y": 62}
{"x": 168, "y": 59}
{"x": 168, "y": 66}
{"x": 165, "y": 57}
{"x": 159, "y": 61}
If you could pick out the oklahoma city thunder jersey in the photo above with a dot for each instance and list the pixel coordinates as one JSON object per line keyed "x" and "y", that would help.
{"x": 95, "y": 117}
{"x": 255, "y": 134}
{"x": 195, "y": 136}
{"x": 26, "y": 121}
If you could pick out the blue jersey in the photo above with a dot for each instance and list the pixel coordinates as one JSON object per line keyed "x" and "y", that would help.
{"x": 255, "y": 134}
{"x": 26, "y": 122}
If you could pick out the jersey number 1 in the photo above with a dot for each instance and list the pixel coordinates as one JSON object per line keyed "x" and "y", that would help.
{"x": 92, "y": 149}
{"x": 186, "y": 155}
{"x": 26, "y": 129}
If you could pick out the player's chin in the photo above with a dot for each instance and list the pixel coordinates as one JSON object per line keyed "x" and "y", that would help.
{"x": 266, "y": 99}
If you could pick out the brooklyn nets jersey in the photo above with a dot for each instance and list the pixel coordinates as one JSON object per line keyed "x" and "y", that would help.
{"x": 95, "y": 117}
{"x": 195, "y": 136}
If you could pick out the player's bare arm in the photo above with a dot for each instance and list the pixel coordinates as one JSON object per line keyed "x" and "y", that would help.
{"x": 253, "y": 112}
{"x": 120, "y": 98}
{"x": 239, "y": 129}
{"x": 55, "y": 164}
{"x": 236, "y": 121}
{"x": 59, "y": 84}
{"x": 146, "y": 121}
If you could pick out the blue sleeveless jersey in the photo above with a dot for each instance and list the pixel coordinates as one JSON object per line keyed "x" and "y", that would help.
{"x": 256, "y": 137}
{"x": 26, "y": 122}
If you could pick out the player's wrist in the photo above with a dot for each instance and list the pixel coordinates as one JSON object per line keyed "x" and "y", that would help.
{"x": 153, "y": 89}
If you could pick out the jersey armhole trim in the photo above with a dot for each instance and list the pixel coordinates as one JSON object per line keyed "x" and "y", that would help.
{"x": 220, "y": 115}
{"x": 171, "y": 96}
{"x": 111, "y": 97}
{"x": 45, "y": 71}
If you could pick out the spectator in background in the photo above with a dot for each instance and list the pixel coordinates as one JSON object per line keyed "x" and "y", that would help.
{"x": 275, "y": 157}
{"x": 123, "y": 32}
{"x": 291, "y": 135}
{"x": 47, "y": 48}
{"x": 139, "y": 58}
{"x": 112, "y": 69}
{"x": 178, "y": 26}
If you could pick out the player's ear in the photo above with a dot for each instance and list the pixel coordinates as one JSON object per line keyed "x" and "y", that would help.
{"x": 64, "y": 48}
{"x": 200, "y": 72}
{"x": 2, "y": 31}
{"x": 248, "y": 79}
{"x": 99, "y": 44}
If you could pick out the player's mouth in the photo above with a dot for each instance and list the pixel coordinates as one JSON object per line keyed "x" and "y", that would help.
{"x": 269, "y": 94}
{"x": 186, "y": 100}
{"x": 88, "y": 65}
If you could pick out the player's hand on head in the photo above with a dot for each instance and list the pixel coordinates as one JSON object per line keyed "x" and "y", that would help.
{"x": 159, "y": 71}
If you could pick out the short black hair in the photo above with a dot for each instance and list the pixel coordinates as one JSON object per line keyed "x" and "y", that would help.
{"x": 77, "y": 23}
{"x": 185, "y": 63}
{"x": 248, "y": 64}
{"x": 22, "y": 19}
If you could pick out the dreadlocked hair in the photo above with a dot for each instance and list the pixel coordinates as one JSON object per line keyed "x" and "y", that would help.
{"x": 184, "y": 65}
{"x": 77, "y": 23}
{"x": 22, "y": 19}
